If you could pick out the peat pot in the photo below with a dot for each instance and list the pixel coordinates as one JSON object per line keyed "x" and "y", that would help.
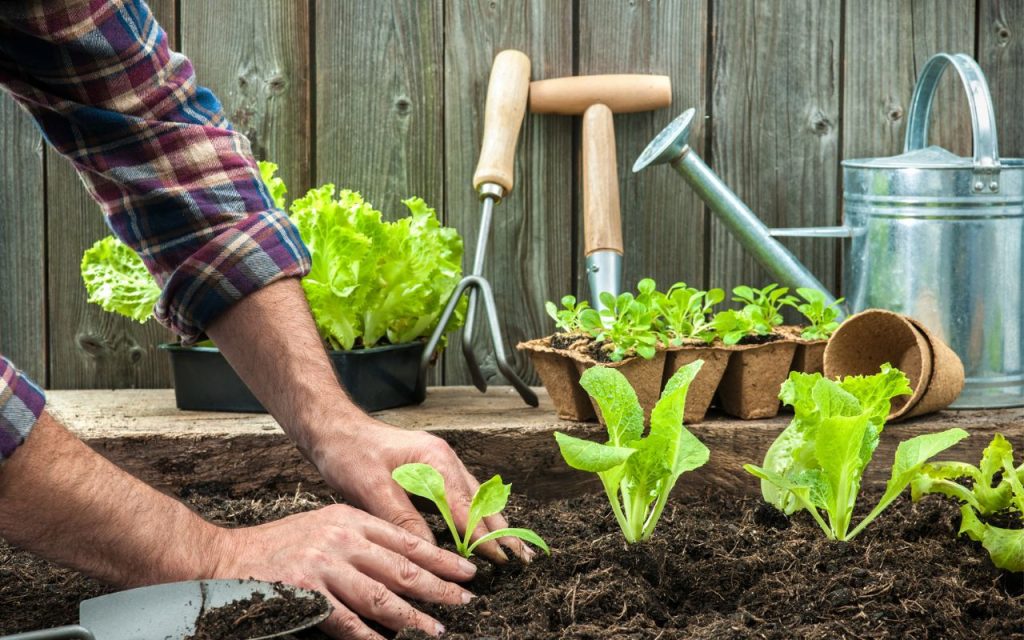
{"x": 377, "y": 378}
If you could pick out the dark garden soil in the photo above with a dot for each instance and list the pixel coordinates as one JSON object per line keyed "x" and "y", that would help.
{"x": 716, "y": 568}
{"x": 562, "y": 340}
{"x": 258, "y": 616}
{"x": 758, "y": 339}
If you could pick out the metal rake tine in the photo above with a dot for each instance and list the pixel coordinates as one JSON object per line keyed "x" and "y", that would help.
{"x": 467, "y": 337}
{"x": 491, "y": 310}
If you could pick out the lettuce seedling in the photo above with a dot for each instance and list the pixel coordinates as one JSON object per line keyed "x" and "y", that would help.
{"x": 684, "y": 314}
{"x": 818, "y": 461}
{"x": 822, "y": 318}
{"x": 732, "y": 325}
{"x": 425, "y": 481}
{"x": 626, "y": 322}
{"x": 985, "y": 496}
{"x": 637, "y": 472}
{"x": 567, "y": 318}
{"x": 764, "y": 305}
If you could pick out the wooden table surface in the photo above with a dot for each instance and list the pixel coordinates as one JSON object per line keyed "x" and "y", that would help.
{"x": 495, "y": 432}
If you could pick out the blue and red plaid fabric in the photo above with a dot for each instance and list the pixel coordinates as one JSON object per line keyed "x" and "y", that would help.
{"x": 155, "y": 149}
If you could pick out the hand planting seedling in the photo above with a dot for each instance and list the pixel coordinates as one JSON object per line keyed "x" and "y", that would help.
{"x": 764, "y": 305}
{"x": 818, "y": 461}
{"x": 626, "y": 323}
{"x": 684, "y": 314}
{"x": 638, "y": 473}
{"x": 822, "y": 317}
{"x": 985, "y": 497}
{"x": 427, "y": 482}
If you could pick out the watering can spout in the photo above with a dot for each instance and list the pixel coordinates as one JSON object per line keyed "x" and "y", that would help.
{"x": 671, "y": 146}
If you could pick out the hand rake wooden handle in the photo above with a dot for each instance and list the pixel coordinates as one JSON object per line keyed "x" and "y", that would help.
{"x": 503, "y": 116}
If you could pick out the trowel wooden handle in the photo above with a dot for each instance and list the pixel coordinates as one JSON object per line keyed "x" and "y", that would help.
{"x": 623, "y": 93}
{"x": 602, "y": 222}
{"x": 503, "y": 116}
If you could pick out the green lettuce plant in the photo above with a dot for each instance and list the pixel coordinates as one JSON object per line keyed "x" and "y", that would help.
{"x": 732, "y": 325}
{"x": 684, "y": 313}
{"x": 116, "y": 279}
{"x": 637, "y": 472}
{"x": 994, "y": 487}
{"x": 817, "y": 463}
{"x": 425, "y": 481}
{"x": 370, "y": 280}
{"x": 821, "y": 317}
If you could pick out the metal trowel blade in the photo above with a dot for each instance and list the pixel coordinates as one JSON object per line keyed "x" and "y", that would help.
{"x": 169, "y": 611}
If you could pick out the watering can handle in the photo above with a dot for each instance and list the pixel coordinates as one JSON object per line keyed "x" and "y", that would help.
{"x": 983, "y": 117}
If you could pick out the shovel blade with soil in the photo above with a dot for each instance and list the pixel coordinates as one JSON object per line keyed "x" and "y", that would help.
{"x": 196, "y": 610}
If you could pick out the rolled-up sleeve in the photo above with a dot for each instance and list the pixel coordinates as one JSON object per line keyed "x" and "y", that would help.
{"x": 21, "y": 403}
{"x": 154, "y": 148}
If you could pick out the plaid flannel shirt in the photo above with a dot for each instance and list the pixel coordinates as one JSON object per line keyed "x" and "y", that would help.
{"x": 155, "y": 149}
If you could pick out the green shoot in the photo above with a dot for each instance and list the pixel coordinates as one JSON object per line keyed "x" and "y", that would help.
{"x": 765, "y": 304}
{"x": 685, "y": 314}
{"x": 425, "y": 481}
{"x": 567, "y": 319}
{"x": 822, "y": 318}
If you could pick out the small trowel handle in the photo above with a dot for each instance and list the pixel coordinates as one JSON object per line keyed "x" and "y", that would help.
{"x": 602, "y": 220}
{"x": 503, "y": 116}
{"x": 72, "y": 632}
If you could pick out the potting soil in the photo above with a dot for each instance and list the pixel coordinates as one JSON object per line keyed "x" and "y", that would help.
{"x": 720, "y": 568}
{"x": 258, "y": 616}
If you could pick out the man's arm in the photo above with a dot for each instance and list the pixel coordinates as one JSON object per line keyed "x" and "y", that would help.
{"x": 63, "y": 501}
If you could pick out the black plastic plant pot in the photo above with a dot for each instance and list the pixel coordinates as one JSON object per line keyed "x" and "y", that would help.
{"x": 376, "y": 379}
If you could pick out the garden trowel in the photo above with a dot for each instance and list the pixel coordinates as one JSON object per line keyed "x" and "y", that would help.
{"x": 164, "y": 611}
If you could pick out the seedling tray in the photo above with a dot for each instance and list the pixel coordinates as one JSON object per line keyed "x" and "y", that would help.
{"x": 376, "y": 379}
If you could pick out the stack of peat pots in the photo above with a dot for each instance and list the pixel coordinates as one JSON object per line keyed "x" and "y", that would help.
{"x": 745, "y": 378}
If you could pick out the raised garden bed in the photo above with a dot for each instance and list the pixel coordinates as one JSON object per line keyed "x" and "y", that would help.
{"x": 719, "y": 566}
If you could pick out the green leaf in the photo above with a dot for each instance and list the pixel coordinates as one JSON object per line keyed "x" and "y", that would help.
{"x": 117, "y": 280}
{"x": 275, "y": 185}
{"x": 620, "y": 408}
{"x": 421, "y": 480}
{"x": 875, "y": 392}
{"x": 838, "y": 446}
{"x": 490, "y": 498}
{"x": 1004, "y": 546}
{"x": 911, "y": 456}
{"x": 523, "y": 534}
{"x": 586, "y": 455}
{"x": 676, "y": 445}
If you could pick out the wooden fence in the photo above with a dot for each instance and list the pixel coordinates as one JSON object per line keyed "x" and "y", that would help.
{"x": 385, "y": 97}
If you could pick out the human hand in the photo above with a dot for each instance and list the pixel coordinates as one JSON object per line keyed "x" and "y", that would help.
{"x": 362, "y": 565}
{"x": 359, "y": 458}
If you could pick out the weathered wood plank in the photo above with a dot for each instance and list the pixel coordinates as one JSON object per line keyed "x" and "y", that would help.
{"x": 22, "y": 243}
{"x": 493, "y": 433}
{"x": 380, "y": 100}
{"x": 530, "y": 256}
{"x": 89, "y": 348}
{"x": 1001, "y": 56}
{"x": 775, "y": 131}
{"x": 887, "y": 42}
{"x": 255, "y": 58}
{"x": 663, "y": 220}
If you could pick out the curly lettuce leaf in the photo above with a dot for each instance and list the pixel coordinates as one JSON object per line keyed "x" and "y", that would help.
{"x": 373, "y": 280}
{"x": 117, "y": 280}
{"x": 275, "y": 185}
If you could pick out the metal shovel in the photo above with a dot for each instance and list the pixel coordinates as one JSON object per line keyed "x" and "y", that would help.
{"x": 503, "y": 116}
{"x": 162, "y": 612}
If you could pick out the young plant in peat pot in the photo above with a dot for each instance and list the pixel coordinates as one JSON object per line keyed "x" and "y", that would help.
{"x": 625, "y": 339}
{"x": 812, "y": 337}
{"x": 684, "y": 326}
{"x": 555, "y": 366}
{"x": 761, "y": 355}
{"x": 376, "y": 290}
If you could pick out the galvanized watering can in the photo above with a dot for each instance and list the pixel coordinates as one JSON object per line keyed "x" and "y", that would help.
{"x": 927, "y": 233}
